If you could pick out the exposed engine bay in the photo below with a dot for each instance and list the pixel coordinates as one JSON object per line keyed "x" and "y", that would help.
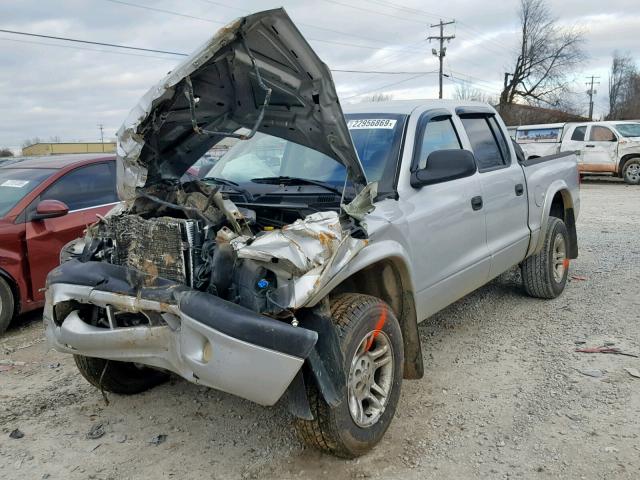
{"x": 178, "y": 276}
{"x": 191, "y": 234}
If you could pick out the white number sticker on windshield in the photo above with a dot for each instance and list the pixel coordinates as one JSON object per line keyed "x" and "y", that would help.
{"x": 371, "y": 123}
{"x": 14, "y": 183}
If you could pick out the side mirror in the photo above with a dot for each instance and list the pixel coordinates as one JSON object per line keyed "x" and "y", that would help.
{"x": 445, "y": 165}
{"x": 50, "y": 209}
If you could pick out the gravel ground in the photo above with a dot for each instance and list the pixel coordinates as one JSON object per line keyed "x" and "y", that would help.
{"x": 504, "y": 395}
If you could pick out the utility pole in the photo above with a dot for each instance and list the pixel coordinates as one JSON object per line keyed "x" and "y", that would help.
{"x": 101, "y": 127}
{"x": 443, "y": 50}
{"x": 591, "y": 92}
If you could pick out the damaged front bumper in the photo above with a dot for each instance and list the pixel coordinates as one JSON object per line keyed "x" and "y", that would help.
{"x": 201, "y": 337}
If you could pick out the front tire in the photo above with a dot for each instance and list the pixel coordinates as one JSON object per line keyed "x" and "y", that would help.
{"x": 631, "y": 172}
{"x": 545, "y": 274}
{"x": 119, "y": 377}
{"x": 371, "y": 343}
{"x": 7, "y": 305}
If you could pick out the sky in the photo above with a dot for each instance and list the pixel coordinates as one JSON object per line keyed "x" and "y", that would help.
{"x": 50, "y": 88}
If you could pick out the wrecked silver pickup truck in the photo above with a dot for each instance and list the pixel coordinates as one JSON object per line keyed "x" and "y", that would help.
{"x": 299, "y": 266}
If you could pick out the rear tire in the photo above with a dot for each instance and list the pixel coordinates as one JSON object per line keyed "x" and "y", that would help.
{"x": 7, "y": 305}
{"x": 631, "y": 171}
{"x": 119, "y": 377}
{"x": 371, "y": 342}
{"x": 545, "y": 274}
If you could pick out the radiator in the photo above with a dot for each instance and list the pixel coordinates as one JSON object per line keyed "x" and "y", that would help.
{"x": 160, "y": 247}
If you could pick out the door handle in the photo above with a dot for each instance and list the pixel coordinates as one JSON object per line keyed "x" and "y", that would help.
{"x": 590, "y": 146}
{"x": 476, "y": 202}
{"x": 519, "y": 189}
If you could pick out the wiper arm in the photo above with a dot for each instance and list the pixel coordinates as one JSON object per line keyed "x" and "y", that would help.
{"x": 286, "y": 180}
{"x": 229, "y": 183}
{"x": 222, "y": 181}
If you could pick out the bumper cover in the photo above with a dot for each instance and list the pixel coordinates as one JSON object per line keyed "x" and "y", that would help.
{"x": 201, "y": 337}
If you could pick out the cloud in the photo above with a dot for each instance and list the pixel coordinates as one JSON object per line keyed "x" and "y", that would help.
{"x": 61, "y": 90}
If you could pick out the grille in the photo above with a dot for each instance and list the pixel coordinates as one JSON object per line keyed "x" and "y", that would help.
{"x": 160, "y": 247}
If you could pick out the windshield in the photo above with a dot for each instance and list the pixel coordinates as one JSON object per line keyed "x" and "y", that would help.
{"x": 15, "y": 183}
{"x": 377, "y": 140}
{"x": 628, "y": 129}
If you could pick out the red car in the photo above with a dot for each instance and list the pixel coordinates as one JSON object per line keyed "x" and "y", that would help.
{"x": 45, "y": 203}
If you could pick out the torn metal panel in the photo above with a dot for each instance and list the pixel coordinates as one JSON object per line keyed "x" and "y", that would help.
{"x": 362, "y": 204}
{"x": 312, "y": 250}
{"x": 298, "y": 247}
{"x": 158, "y": 140}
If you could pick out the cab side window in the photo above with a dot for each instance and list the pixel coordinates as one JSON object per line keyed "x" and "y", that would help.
{"x": 484, "y": 143}
{"x": 578, "y": 134}
{"x": 601, "y": 134}
{"x": 85, "y": 187}
{"x": 439, "y": 134}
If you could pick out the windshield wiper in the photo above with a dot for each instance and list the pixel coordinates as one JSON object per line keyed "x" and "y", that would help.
{"x": 286, "y": 180}
{"x": 229, "y": 183}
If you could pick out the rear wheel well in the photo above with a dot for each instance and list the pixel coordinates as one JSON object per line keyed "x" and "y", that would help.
{"x": 388, "y": 280}
{"x": 562, "y": 208}
{"x": 624, "y": 160}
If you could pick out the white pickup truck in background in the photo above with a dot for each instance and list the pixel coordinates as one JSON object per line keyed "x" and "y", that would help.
{"x": 602, "y": 147}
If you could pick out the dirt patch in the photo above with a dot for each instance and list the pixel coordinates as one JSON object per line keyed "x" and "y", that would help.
{"x": 504, "y": 393}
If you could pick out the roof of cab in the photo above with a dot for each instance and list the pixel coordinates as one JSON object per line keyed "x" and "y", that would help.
{"x": 57, "y": 162}
{"x": 406, "y": 107}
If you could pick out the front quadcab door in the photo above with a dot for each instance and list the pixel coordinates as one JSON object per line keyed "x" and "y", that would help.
{"x": 447, "y": 231}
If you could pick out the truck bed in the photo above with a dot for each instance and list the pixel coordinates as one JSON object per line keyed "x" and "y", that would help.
{"x": 545, "y": 177}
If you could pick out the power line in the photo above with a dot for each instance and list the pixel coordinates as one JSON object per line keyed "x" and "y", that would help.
{"x": 375, "y": 12}
{"x": 75, "y": 47}
{"x": 381, "y": 87}
{"x": 409, "y": 9}
{"x": 170, "y": 12}
{"x": 113, "y": 45}
{"x": 309, "y": 25}
{"x": 421, "y": 12}
{"x": 381, "y": 72}
{"x": 194, "y": 17}
{"x": 469, "y": 82}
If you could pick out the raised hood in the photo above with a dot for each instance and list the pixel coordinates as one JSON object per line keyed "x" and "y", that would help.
{"x": 230, "y": 77}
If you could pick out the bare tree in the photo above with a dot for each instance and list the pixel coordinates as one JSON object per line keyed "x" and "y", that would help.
{"x": 54, "y": 139}
{"x": 466, "y": 92}
{"x": 622, "y": 81}
{"x": 378, "y": 97}
{"x": 546, "y": 57}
